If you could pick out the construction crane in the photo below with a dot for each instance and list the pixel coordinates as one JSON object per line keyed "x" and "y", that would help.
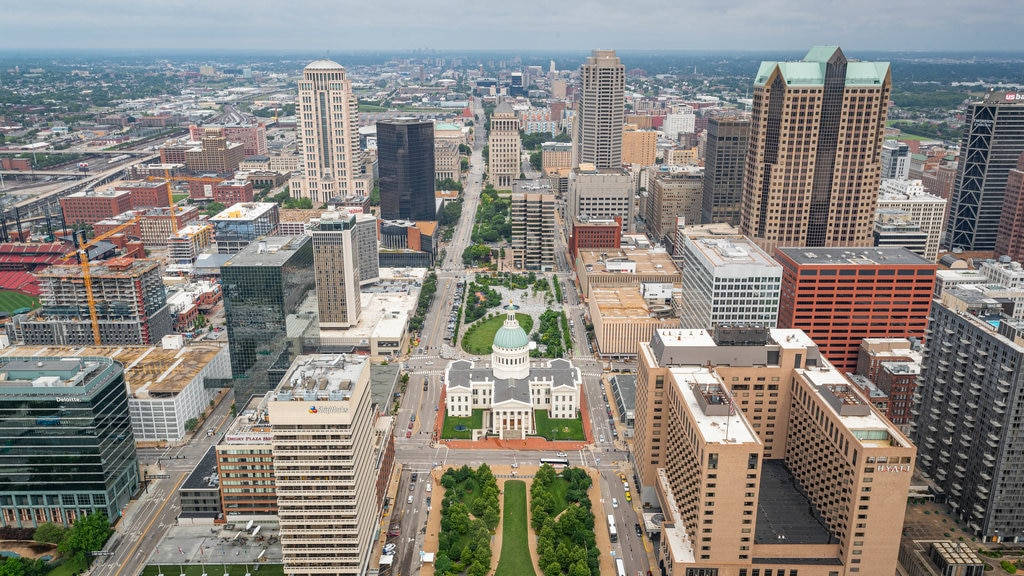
{"x": 170, "y": 202}
{"x": 83, "y": 259}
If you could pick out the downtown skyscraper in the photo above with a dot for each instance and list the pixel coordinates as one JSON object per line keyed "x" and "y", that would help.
{"x": 328, "y": 117}
{"x": 405, "y": 161}
{"x": 597, "y": 129}
{"x": 992, "y": 144}
{"x": 812, "y": 170}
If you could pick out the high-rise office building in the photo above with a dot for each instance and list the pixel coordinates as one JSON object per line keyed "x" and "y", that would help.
{"x": 367, "y": 249}
{"x": 727, "y": 280}
{"x": 895, "y": 160}
{"x": 765, "y": 458}
{"x": 263, "y": 287}
{"x": 639, "y": 147}
{"x": 725, "y": 156}
{"x": 328, "y": 116}
{"x": 336, "y": 263}
{"x": 130, "y": 303}
{"x": 674, "y": 193}
{"x": 840, "y": 296}
{"x": 325, "y": 474}
{"x": 816, "y": 133}
{"x": 504, "y": 147}
{"x": 68, "y": 443}
{"x": 405, "y": 163}
{"x": 967, "y": 414}
{"x": 532, "y": 217}
{"x": 992, "y": 144}
{"x": 602, "y": 195}
{"x": 600, "y": 110}
{"x": 1010, "y": 240}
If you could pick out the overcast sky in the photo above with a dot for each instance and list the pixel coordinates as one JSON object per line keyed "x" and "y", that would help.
{"x": 319, "y": 25}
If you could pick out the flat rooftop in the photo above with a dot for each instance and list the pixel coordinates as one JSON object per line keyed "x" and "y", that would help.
{"x": 839, "y": 395}
{"x": 854, "y": 256}
{"x": 729, "y": 427}
{"x": 626, "y": 303}
{"x": 204, "y": 475}
{"x": 149, "y": 371}
{"x": 251, "y": 426}
{"x": 784, "y": 513}
{"x": 244, "y": 211}
{"x": 53, "y": 372}
{"x": 268, "y": 251}
{"x": 99, "y": 193}
{"x": 736, "y": 251}
{"x": 298, "y": 214}
{"x": 329, "y": 377}
{"x": 384, "y": 314}
{"x": 628, "y": 261}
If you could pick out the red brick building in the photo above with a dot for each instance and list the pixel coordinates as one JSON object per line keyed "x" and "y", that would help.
{"x": 839, "y": 296}
{"x": 145, "y": 194}
{"x": 592, "y": 234}
{"x": 89, "y": 207}
{"x": 1010, "y": 239}
{"x": 899, "y": 380}
{"x": 231, "y": 192}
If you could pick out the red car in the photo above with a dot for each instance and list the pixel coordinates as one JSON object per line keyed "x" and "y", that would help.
{"x": 408, "y": 434}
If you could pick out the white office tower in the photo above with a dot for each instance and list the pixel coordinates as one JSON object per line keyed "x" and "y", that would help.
{"x": 328, "y": 118}
{"x": 324, "y": 469}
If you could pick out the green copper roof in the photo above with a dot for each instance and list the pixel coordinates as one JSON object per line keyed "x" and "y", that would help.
{"x": 510, "y": 338}
{"x": 811, "y": 70}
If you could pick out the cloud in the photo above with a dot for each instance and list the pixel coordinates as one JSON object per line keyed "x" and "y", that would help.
{"x": 313, "y": 25}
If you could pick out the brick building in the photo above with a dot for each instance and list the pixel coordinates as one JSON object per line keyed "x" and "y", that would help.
{"x": 839, "y": 296}
{"x": 587, "y": 234}
{"x": 91, "y": 206}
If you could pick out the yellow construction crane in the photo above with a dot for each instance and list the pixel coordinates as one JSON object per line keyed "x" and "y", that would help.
{"x": 83, "y": 259}
{"x": 170, "y": 202}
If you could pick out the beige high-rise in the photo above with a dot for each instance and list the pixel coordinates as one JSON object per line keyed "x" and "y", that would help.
{"x": 814, "y": 158}
{"x": 336, "y": 266}
{"x": 532, "y": 217}
{"x": 765, "y": 459}
{"x": 324, "y": 467}
{"x": 504, "y": 163}
{"x": 600, "y": 111}
{"x": 328, "y": 116}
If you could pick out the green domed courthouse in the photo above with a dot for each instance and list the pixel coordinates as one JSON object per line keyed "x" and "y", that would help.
{"x": 510, "y": 389}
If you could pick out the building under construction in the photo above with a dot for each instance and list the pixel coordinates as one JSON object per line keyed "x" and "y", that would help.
{"x": 131, "y": 306}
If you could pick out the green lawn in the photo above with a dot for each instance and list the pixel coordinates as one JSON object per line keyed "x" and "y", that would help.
{"x": 558, "y": 428}
{"x": 178, "y": 197}
{"x": 11, "y": 301}
{"x": 480, "y": 336}
{"x": 515, "y": 551}
{"x": 65, "y": 569}
{"x": 474, "y": 422}
{"x": 255, "y": 569}
{"x": 559, "y": 488}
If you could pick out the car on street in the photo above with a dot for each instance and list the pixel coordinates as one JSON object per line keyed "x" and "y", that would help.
{"x": 409, "y": 499}
{"x": 415, "y": 476}
{"x": 639, "y": 531}
{"x": 408, "y": 434}
{"x": 429, "y": 489}
{"x": 600, "y": 438}
{"x": 560, "y": 454}
{"x": 615, "y": 503}
{"x": 389, "y": 547}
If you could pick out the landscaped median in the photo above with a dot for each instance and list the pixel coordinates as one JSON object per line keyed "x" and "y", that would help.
{"x": 469, "y": 515}
{"x": 564, "y": 522}
{"x": 515, "y": 548}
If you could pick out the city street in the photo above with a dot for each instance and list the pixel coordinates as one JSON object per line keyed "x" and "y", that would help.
{"x": 148, "y": 518}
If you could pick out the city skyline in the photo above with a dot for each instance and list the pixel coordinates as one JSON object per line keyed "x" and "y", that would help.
{"x": 747, "y": 25}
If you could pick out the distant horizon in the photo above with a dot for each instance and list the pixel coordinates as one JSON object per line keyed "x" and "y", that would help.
{"x": 315, "y": 26}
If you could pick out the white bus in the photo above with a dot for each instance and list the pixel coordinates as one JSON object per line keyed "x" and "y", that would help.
{"x": 619, "y": 567}
{"x": 613, "y": 535}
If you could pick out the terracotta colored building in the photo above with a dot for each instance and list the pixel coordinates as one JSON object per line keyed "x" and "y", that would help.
{"x": 89, "y": 207}
{"x": 145, "y": 194}
{"x": 839, "y": 296}
{"x": 1010, "y": 239}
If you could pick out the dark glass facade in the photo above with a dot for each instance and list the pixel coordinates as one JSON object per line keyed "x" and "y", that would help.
{"x": 67, "y": 448}
{"x": 262, "y": 286}
{"x": 725, "y": 157}
{"x": 405, "y": 163}
{"x": 992, "y": 143}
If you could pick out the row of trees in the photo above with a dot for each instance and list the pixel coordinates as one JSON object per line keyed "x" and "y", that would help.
{"x": 476, "y": 255}
{"x": 565, "y": 528}
{"x": 550, "y": 335}
{"x": 469, "y": 516}
{"x": 426, "y": 297}
{"x": 476, "y": 308}
{"x": 447, "y": 184}
{"x": 492, "y": 217}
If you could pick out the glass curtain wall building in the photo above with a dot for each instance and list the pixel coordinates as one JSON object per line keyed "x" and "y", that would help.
{"x": 68, "y": 448}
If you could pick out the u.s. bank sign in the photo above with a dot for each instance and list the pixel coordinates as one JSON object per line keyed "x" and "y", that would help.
{"x": 1014, "y": 97}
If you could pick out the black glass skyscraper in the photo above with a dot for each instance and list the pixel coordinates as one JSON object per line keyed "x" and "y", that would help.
{"x": 405, "y": 162}
{"x": 68, "y": 448}
{"x": 263, "y": 287}
{"x": 992, "y": 143}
